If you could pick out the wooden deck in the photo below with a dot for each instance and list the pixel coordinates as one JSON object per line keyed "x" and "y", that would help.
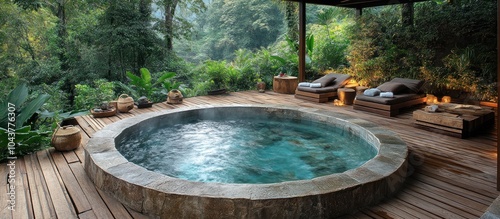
{"x": 452, "y": 177}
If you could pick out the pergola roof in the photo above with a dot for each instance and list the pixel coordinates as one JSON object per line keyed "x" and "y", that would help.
{"x": 356, "y": 3}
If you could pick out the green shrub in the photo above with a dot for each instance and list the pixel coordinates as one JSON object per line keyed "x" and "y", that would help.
{"x": 450, "y": 46}
{"x": 18, "y": 115}
{"x": 88, "y": 97}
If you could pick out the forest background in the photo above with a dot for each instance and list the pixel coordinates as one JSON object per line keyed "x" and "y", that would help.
{"x": 78, "y": 53}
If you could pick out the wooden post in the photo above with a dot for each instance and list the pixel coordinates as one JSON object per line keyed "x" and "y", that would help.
{"x": 498, "y": 90}
{"x": 302, "y": 41}
{"x": 359, "y": 12}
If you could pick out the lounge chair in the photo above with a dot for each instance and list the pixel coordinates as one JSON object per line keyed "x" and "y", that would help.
{"x": 406, "y": 93}
{"x": 328, "y": 90}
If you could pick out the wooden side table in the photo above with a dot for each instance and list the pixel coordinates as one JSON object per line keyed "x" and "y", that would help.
{"x": 285, "y": 84}
{"x": 346, "y": 95}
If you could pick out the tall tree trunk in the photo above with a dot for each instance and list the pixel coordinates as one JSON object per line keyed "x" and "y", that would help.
{"x": 62, "y": 34}
{"x": 407, "y": 14}
{"x": 169, "y": 7}
{"x": 292, "y": 20}
{"x": 145, "y": 12}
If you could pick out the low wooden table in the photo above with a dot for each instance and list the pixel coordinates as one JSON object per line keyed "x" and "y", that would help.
{"x": 346, "y": 95}
{"x": 456, "y": 120}
{"x": 285, "y": 84}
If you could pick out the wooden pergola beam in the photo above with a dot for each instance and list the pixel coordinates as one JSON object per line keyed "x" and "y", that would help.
{"x": 302, "y": 41}
{"x": 498, "y": 91}
{"x": 356, "y": 3}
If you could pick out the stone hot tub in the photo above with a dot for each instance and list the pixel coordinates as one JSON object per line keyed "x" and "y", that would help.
{"x": 326, "y": 196}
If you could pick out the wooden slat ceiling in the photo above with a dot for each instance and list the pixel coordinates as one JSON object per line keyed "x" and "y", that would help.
{"x": 356, "y": 3}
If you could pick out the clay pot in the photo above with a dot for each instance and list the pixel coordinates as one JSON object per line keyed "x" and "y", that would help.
{"x": 261, "y": 87}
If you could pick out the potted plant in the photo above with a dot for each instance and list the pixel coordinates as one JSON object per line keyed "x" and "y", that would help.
{"x": 261, "y": 86}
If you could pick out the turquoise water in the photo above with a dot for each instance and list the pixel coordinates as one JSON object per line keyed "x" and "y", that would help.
{"x": 246, "y": 151}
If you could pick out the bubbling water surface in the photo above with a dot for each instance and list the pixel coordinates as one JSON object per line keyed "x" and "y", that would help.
{"x": 246, "y": 150}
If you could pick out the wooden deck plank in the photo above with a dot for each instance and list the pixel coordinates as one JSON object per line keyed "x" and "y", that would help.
{"x": 5, "y": 212}
{"x": 98, "y": 206}
{"x": 453, "y": 199}
{"x": 62, "y": 204}
{"x": 23, "y": 197}
{"x": 116, "y": 208}
{"x": 40, "y": 198}
{"x": 412, "y": 210}
{"x": 85, "y": 126}
{"x": 79, "y": 199}
{"x": 87, "y": 215}
{"x": 70, "y": 156}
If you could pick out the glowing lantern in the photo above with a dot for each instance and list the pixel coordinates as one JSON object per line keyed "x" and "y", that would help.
{"x": 431, "y": 99}
{"x": 446, "y": 99}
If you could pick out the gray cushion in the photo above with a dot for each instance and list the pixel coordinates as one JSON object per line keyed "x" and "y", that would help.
{"x": 394, "y": 87}
{"x": 412, "y": 84}
{"x": 340, "y": 81}
{"x": 325, "y": 80}
{"x": 400, "y": 98}
{"x": 318, "y": 90}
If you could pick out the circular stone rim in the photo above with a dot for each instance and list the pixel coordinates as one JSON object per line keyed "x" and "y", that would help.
{"x": 134, "y": 185}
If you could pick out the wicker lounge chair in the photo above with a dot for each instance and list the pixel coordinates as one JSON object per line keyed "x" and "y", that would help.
{"x": 406, "y": 92}
{"x": 328, "y": 90}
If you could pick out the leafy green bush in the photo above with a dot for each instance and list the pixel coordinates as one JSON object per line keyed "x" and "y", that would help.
{"x": 218, "y": 72}
{"x": 17, "y": 117}
{"x": 450, "y": 46}
{"x": 88, "y": 97}
{"x": 144, "y": 85}
{"x": 264, "y": 66}
{"x": 331, "y": 44}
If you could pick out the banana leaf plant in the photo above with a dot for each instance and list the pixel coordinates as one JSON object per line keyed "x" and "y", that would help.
{"x": 144, "y": 85}
{"x": 15, "y": 112}
{"x": 15, "y": 106}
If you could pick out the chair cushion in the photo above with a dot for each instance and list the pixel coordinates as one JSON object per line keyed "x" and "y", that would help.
{"x": 400, "y": 98}
{"x": 394, "y": 87}
{"x": 339, "y": 81}
{"x": 318, "y": 90}
{"x": 325, "y": 80}
{"x": 412, "y": 84}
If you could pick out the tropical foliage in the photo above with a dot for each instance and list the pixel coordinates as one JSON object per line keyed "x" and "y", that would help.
{"x": 83, "y": 53}
{"x": 144, "y": 85}
{"x": 18, "y": 133}
{"x": 451, "y": 46}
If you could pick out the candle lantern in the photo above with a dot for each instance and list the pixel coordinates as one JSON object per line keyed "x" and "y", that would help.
{"x": 446, "y": 99}
{"x": 431, "y": 99}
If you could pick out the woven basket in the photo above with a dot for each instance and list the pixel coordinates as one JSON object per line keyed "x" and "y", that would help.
{"x": 174, "y": 97}
{"x": 125, "y": 103}
{"x": 66, "y": 138}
